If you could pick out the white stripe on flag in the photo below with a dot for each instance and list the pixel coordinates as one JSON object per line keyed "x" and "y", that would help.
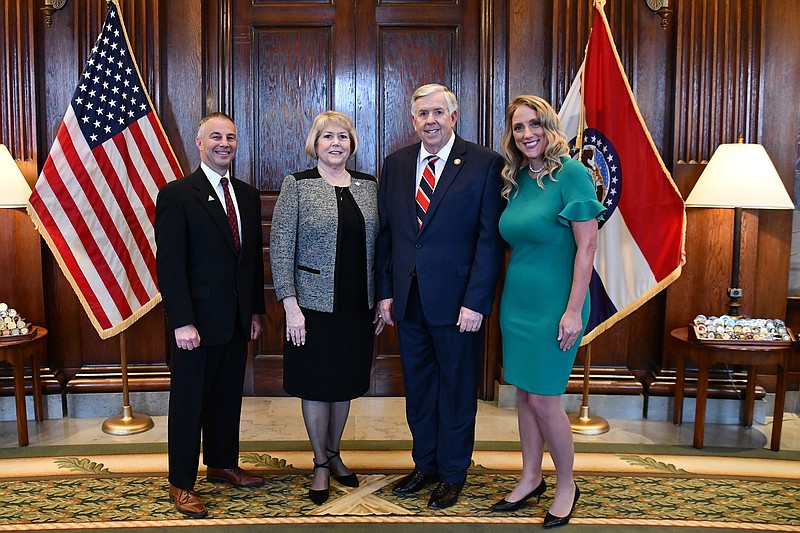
{"x": 70, "y": 236}
{"x": 619, "y": 262}
{"x": 570, "y": 113}
{"x": 88, "y": 211}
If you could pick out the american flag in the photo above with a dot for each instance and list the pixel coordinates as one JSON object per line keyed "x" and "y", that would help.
{"x": 94, "y": 202}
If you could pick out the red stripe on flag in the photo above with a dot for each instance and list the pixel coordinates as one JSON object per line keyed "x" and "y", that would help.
{"x": 68, "y": 259}
{"x": 174, "y": 167}
{"x": 647, "y": 188}
{"x": 73, "y": 213}
{"x": 124, "y": 222}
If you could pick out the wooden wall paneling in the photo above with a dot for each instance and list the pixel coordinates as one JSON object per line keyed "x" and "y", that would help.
{"x": 718, "y": 72}
{"x": 182, "y": 95}
{"x": 17, "y": 103}
{"x": 779, "y": 133}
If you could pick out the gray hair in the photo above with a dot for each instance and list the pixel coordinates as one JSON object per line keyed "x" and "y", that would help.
{"x": 431, "y": 88}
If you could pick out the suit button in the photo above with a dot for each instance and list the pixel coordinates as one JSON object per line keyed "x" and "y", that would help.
{"x": 417, "y": 246}
{"x": 236, "y": 293}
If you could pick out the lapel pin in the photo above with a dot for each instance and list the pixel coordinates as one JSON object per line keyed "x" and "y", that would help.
{"x": 456, "y": 161}
{"x": 358, "y": 183}
{"x": 210, "y": 198}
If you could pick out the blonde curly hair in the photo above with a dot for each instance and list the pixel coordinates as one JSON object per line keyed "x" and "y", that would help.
{"x": 557, "y": 145}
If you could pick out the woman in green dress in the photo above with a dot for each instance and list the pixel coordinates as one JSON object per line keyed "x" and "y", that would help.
{"x": 551, "y": 224}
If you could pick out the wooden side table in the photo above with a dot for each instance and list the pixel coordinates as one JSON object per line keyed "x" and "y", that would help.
{"x": 752, "y": 356}
{"x": 17, "y": 352}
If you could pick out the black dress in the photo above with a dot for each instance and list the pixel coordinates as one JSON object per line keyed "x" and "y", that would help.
{"x": 335, "y": 362}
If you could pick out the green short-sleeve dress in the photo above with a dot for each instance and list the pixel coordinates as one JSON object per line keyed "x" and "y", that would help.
{"x": 536, "y": 223}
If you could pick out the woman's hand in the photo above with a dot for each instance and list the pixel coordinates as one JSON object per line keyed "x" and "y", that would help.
{"x": 295, "y": 322}
{"x": 569, "y": 329}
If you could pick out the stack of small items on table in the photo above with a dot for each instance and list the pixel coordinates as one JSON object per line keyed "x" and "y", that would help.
{"x": 727, "y": 328}
{"x": 12, "y": 325}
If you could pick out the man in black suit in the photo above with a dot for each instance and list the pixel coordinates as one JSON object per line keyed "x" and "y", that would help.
{"x": 438, "y": 259}
{"x": 211, "y": 274}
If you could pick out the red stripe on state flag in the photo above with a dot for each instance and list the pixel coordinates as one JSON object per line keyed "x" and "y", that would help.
{"x": 610, "y": 107}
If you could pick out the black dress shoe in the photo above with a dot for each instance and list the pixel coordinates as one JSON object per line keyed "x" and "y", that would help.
{"x": 319, "y": 496}
{"x": 413, "y": 482}
{"x": 551, "y": 521}
{"x": 445, "y": 495}
{"x": 509, "y": 507}
{"x": 348, "y": 480}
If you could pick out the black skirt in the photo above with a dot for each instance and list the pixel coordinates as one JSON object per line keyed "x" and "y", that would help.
{"x": 335, "y": 362}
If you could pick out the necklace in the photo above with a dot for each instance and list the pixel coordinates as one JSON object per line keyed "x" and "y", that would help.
{"x": 536, "y": 171}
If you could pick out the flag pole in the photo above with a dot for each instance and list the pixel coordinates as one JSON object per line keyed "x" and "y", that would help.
{"x": 582, "y": 423}
{"x": 128, "y": 423}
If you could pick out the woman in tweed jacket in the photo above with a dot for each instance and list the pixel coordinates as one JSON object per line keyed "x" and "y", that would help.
{"x": 322, "y": 248}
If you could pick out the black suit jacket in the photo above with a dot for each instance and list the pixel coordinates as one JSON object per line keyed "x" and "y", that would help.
{"x": 203, "y": 281}
{"x": 457, "y": 256}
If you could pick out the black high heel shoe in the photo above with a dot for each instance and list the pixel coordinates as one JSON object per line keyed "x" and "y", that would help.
{"x": 319, "y": 496}
{"x": 349, "y": 480}
{"x": 551, "y": 521}
{"x": 507, "y": 506}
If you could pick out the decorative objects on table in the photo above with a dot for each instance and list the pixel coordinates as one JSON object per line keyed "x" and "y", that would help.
{"x": 739, "y": 176}
{"x": 12, "y": 325}
{"x": 739, "y": 330}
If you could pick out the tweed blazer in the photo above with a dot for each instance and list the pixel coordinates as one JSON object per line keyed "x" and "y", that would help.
{"x": 303, "y": 238}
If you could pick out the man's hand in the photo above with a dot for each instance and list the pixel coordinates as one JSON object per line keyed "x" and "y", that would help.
{"x": 469, "y": 320}
{"x": 187, "y": 337}
{"x": 385, "y": 311}
{"x": 256, "y": 322}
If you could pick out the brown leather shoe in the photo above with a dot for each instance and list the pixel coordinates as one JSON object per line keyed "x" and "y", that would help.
{"x": 234, "y": 476}
{"x": 187, "y": 502}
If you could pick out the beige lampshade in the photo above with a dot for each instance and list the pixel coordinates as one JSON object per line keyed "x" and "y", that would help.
{"x": 14, "y": 190}
{"x": 740, "y": 175}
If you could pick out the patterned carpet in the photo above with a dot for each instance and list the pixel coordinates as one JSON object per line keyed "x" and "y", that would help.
{"x": 623, "y": 486}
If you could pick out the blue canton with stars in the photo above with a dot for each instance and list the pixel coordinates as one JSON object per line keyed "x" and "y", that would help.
{"x": 600, "y": 157}
{"x": 110, "y": 95}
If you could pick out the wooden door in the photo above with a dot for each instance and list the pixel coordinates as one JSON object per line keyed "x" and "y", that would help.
{"x": 292, "y": 60}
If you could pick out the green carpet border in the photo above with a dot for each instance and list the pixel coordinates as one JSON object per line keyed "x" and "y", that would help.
{"x": 249, "y": 446}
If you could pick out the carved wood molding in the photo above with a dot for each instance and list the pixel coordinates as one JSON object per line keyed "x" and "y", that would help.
{"x": 18, "y": 82}
{"x": 718, "y": 75}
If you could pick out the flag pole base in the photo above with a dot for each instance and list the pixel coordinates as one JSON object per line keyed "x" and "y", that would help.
{"x": 129, "y": 423}
{"x": 583, "y": 424}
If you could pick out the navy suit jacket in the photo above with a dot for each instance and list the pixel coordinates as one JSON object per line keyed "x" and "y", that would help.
{"x": 203, "y": 281}
{"x": 457, "y": 256}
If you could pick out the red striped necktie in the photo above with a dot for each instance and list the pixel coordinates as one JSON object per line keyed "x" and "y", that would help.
{"x": 233, "y": 222}
{"x": 425, "y": 190}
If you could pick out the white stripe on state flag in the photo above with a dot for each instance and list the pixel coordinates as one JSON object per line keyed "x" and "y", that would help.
{"x": 570, "y": 113}
{"x": 619, "y": 262}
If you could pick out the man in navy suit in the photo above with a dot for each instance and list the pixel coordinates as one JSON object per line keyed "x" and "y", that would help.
{"x": 210, "y": 270}
{"x": 438, "y": 259}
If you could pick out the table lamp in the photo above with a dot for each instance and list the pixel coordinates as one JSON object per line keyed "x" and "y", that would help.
{"x": 739, "y": 176}
{"x": 14, "y": 190}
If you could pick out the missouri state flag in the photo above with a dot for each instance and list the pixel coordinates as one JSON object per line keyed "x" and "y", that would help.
{"x": 641, "y": 241}
{"x": 94, "y": 201}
